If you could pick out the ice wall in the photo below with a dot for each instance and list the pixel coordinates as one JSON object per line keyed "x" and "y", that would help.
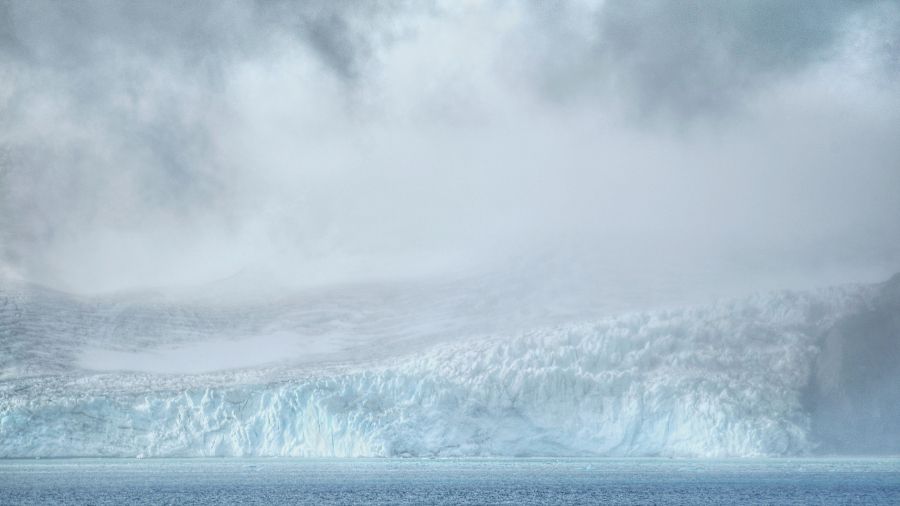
{"x": 733, "y": 379}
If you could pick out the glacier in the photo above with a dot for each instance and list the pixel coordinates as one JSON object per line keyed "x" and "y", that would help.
{"x": 442, "y": 373}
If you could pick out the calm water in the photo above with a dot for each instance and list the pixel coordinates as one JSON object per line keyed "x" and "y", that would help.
{"x": 387, "y": 481}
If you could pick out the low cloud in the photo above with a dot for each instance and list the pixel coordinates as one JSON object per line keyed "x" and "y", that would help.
{"x": 157, "y": 143}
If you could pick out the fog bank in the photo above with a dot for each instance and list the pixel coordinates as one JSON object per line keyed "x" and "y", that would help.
{"x": 159, "y": 144}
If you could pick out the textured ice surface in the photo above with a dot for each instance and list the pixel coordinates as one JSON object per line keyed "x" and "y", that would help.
{"x": 429, "y": 374}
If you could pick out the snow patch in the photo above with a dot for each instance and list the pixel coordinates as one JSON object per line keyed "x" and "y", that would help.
{"x": 210, "y": 355}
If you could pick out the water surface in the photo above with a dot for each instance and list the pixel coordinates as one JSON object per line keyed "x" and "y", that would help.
{"x": 471, "y": 481}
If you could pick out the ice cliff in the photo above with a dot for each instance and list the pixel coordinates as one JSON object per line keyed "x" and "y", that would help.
{"x": 789, "y": 373}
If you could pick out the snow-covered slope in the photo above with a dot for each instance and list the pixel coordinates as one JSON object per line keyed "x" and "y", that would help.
{"x": 781, "y": 374}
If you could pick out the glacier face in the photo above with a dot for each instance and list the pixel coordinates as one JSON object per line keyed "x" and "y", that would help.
{"x": 750, "y": 377}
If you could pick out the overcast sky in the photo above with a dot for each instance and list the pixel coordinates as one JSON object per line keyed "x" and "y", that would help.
{"x": 169, "y": 143}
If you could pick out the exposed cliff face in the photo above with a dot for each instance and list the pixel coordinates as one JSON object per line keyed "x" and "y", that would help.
{"x": 783, "y": 374}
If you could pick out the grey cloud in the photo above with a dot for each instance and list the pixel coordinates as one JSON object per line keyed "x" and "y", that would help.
{"x": 339, "y": 31}
{"x": 132, "y": 94}
{"x": 144, "y": 140}
{"x": 695, "y": 57}
{"x": 194, "y": 36}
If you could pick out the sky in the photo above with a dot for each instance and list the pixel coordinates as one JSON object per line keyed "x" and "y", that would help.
{"x": 158, "y": 143}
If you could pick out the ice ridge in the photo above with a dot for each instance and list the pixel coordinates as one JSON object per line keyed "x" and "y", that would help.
{"x": 730, "y": 379}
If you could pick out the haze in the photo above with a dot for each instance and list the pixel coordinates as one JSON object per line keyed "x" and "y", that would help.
{"x": 158, "y": 144}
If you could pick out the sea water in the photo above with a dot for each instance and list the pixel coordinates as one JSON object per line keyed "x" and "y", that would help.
{"x": 439, "y": 481}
